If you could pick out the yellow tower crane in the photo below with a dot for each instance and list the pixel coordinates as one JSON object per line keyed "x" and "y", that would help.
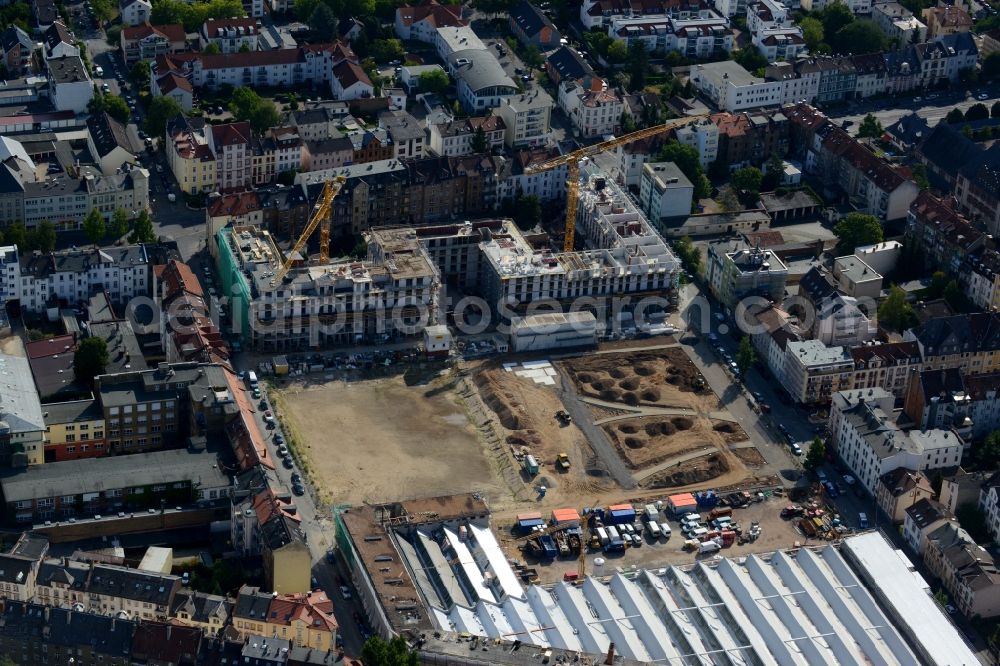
{"x": 321, "y": 217}
{"x": 572, "y": 162}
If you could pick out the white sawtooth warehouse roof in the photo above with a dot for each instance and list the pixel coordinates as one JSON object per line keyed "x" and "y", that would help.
{"x": 807, "y": 607}
{"x": 898, "y": 585}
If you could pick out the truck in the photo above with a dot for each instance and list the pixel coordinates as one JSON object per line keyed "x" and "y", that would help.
{"x": 529, "y": 465}
{"x": 709, "y": 547}
{"x": 651, "y": 514}
{"x": 562, "y": 461}
{"x": 252, "y": 379}
{"x": 719, "y": 512}
{"x": 602, "y": 534}
{"x": 654, "y": 529}
{"x": 563, "y": 417}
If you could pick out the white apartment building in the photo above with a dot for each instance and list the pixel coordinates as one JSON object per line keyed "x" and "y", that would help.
{"x": 780, "y": 43}
{"x": 455, "y": 138}
{"x": 702, "y": 136}
{"x": 840, "y": 322}
{"x": 548, "y": 185}
{"x": 231, "y": 35}
{"x": 72, "y": 275}
{"x": 989, "y": 505}
{"x": 135, "y": 12}
{"x": 70, "y": 87}
{"x": 230, "y": 143}
{"x": 664, "y": 191}
{"x": 527, "y": 118}
{"x": 732, "y": 88}
{"x": 593, "y": 113}
{"x": 856, "y": 6}
{"x": 871, "y": 444}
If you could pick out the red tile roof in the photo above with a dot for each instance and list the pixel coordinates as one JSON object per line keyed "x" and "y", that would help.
{"x": 231, "y": 134}
{"x": 61, "y": 344}
{"x": 234, "y": 205}
{"x": 172, "y": 81}
{"x": 173, "y": 32}
{"x": 438, "y": 15}
{"x": 259, "y": 58}
{"x": 349, "y": 73}
{"x": 178, "y": 278}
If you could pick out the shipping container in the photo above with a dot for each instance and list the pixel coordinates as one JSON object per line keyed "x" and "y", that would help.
{"x": 719, "y": 512}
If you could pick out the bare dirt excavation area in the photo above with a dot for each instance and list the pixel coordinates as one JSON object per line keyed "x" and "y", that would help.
{"x": 380, "y": 439}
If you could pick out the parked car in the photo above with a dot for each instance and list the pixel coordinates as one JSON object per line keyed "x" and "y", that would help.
{"x": 345, "y": 591}
{"x": 282, "y": 451}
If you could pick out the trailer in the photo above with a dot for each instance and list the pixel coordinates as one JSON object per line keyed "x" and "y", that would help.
{"x": 549, "y": 548}
{"x": 619, "y": 514}
{"x": 602, "y": 534}
{"x": 529, "y": 464}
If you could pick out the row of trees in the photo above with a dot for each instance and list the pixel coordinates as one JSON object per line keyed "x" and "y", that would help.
{"x": 975, "y": 112}
{"x": 193, "y": 14}
{"x": 837, "y": 30}
{"x": 97, "y": 229}
{"x": 114, "y": 105}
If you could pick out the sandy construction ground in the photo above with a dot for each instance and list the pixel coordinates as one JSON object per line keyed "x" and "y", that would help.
{"x": 382, "y": 440}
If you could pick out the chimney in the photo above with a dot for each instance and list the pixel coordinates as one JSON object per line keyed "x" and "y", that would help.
{"x": 610, "y": 659}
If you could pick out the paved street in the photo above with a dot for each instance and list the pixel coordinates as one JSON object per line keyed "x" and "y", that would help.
{"x": 933, "y": 106}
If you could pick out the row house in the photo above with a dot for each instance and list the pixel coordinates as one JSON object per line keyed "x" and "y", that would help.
{"x": 601, "y": 13}
{"x": 319, "y": 122}
{"x": 17, "y": 48}
{"x": 871, "y": 184}
{"x": 898, "y": 24}
{"x": 19, "y": 567}
{"x": 189, "y": 155}
{"x": 594, "y": 113}
{"x": 699, "y": 36}
{"x": 549, "y": 185}
{"x": 813, "y": 373}
{"x": 980, "y": 279}
{"x": 319, "y": 154}
{"x": 532, "y": 27}
{"x": 147, "y": 42}
{"x": 989, "y": 505}
{"x": 885, "y": 365}
{"x": 967, "y": 341}
{"x": 231, "y": 35}
{"x": 107, "y": 588}
{"x": 946, "y": 238}
{"x": 230, "y": 143}
{"x": 305, "y": 618}
{"x": 871, "y": 444}
{"x": 978, "y": 189}
{"x": 899, "y": 490}
{"x": 72, "y": 275}
{"x": 458, "y": 137}
{"x": 279, "y": 150}
{"x": 966, "y": 570}
{"x": 744, "y": 139}
{"x": 74, "y": 430}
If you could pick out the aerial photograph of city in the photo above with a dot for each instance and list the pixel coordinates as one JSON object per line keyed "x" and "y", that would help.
{"x": 499, "y": 332}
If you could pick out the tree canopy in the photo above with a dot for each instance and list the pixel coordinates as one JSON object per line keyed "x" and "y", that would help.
{"x": 976, "y": 112}
{"x": 895, "y": 312}
{"x": 90, "y": 360}
{"x": 954, "y": 117}
{"x": 858, "y": 37}
{"x": 434, "y": 81}
{"x": 687, "y": 160}
{"x": 115, "y": 107}
{"x": 688, "y": 253}
{"x": 815, "y": 455}
{"x": 143, "y": 231}
{"x": 745, "y": 355}
{"x": 246, "y": 104}
{"x": 119, "y": 224}
{"x": 812, "y": 32}
{"x": 193, "y": 14}
{"x": 93, "y": 226}
{"x": 160, "y": 110}
{"x": 870, "y": 127}
{"x": 378, "y": 652}
{"x": 857, "y": 229}
{"x": 387, "y": 50}
{"x": 747, "y": 182}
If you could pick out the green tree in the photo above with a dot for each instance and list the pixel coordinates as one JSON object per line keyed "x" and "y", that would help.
{"x": 919, "y": 172}
{"x": 492, "y": 7}
{"x": 815, "y": 456}
{"x": 90, "y": 360}
{"x": 386, "y": 50}
{"x": 687, "y": 160}
{"x": 532, "y": 57}
{"x": 638, "y": 64}
{"x": 858, "y": 37}
{"x": 159, "y": 112}
{"x": 895, "y": 312}
{"x": 143, "y": 231}
{"x": 244, "y": 48}
{"x": 119, "y": 224}
{"x": 104, "y": 10}
{"x": 303, "y": 9}
{"x": 954, "y": 295}
{"x": 528, "y": 212}
{"x": 745, "y": 355}
{"x": 17, "y": 235}
{"x": 728, "y": 200}
{"x": 939, "y": 280}
{"x": 835, "y": 17}
{"x": 857, "y": 229}
{"x": 377, "y": 652}
{"x": 434, "y": 81}
{"x": 479, "y": 144}
{"x": 747, "y": 183}
{"x": 212, "y": 49}
{"x": 870, "y": 127}
{"x": 991, "y": 65}
{"x": 44, "y": 237}
{"x": 140, "y": 73}
{"x": 954, "y": 117}
{"x": 93, "y": 226}
{"x": 812, "y": 32}
{"x": 750, "y": 59}
{"x": 264, "y": 116}
{"x": 689, "y": 254}
{"x": 988, "y": 453}
{"x": 617, "y": 52}
{"x": 775, "y": 170}
{"x": 977, "y": 112}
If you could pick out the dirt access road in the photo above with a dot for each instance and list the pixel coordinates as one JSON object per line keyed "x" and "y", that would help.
{"x": 381, "y": 439}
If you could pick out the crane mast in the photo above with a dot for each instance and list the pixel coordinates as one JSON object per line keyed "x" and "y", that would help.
{"x": 572, "y": 163}
{"x": 320, "y": 217}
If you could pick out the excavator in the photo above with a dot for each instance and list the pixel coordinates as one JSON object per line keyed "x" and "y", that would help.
{"x": 320, "y": 217}
{"x": 572, "y": 162}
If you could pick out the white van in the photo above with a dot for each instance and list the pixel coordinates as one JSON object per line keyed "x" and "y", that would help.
{"x": 653, "y": 529}
{"x": 613, "y": 533}
{"x": 691, "y": 518}
{"x": 602, "y": 534}
{"x": 697, "y": 532}
{"x": 252, "y": 378}
{"x": 665, "y": 530}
